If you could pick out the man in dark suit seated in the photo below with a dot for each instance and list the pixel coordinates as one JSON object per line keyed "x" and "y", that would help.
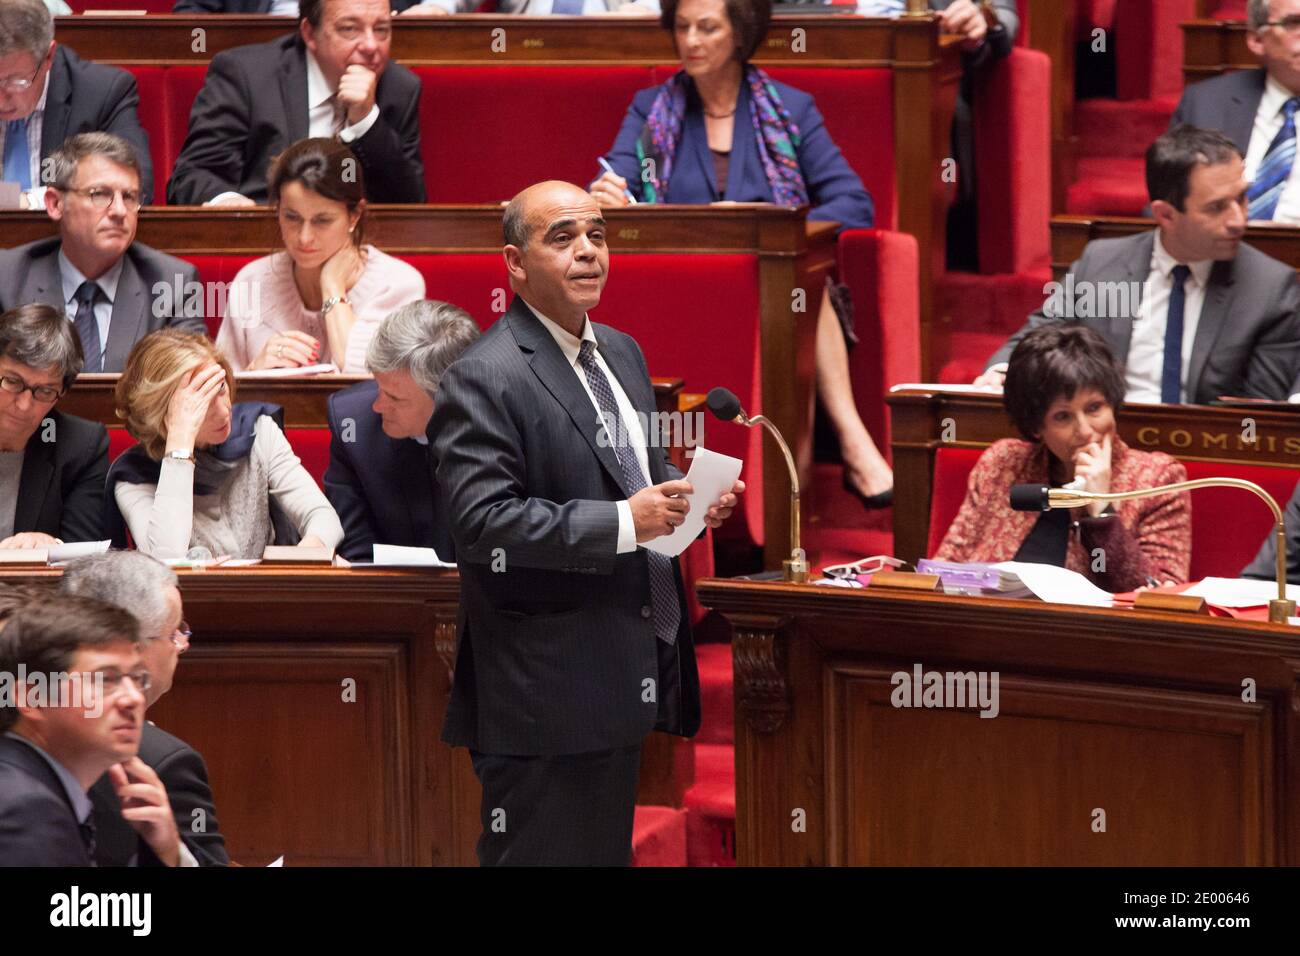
{"x": 574, "y": 643}
{"x": 1256, "y": 109}
{"x": 148, "y": 589}
{"x": 115, "y": 290}
{"x": 77, "y": 686}
{"x": 52, "y": 466}
{"x": 48, "y": 93}
{"x": 331, "y": 78}
{"x": 1191, "y": 311}
{"x": 379, "y": 479}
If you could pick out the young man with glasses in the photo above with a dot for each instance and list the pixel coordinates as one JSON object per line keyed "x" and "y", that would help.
{"x": 1256, "y": 109}
{"x": 52, "y": 465}
{"x": 133, "y": 581}
{"x": 48, "y": 93}
{"x": 54, "y": 746}
{"x": 114, "y": 290}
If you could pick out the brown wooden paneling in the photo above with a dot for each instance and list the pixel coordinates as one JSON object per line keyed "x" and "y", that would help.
{"x": 1211, "y": 47}
{"x": 1051, "y": 30}
{"x": 1070, "y": 234}
{"x": 1136, "y": 713}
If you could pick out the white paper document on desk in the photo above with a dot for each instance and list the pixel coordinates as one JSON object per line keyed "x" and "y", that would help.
{"x": 400, "y": 556}
{"x": 77, "y": 549}
{"x": 1057, "y": 585}
{"x": 1239, "y": 592}
{"x": 711, "y": 475}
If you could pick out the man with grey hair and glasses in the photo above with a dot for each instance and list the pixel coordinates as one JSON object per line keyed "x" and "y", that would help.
{"x": 48, "y": 93}
{"x": 114, "y": 290}
{"x": 379, "y": 478}
{"x": 150, "y": 591}
{"x": 1256, "y": 109}
{"x": 52, "y": 465}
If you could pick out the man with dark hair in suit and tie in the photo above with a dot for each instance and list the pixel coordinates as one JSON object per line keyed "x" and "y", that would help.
{"x": 72, "y": 666}
{"x": 1191, "y": 311}
{"x": 331, "y": 78}
{"x": 1256, "y": 109}
{"x": 149, "y": 590}
{"x": 95, "y": 270}
{"x": 379, "y": 479}
{"x": 573, "y": 642}
{"x": 52, "y": 465}
{"x": 48, "y": 93}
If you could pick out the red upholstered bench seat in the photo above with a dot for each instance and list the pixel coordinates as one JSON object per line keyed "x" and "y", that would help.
{"x": 312, "y": 446}
{"x": 1227, "y": 526}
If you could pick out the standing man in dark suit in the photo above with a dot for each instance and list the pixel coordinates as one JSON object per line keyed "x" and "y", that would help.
{"x": 380, "y": 479}
{"x": 53, "y": 749}
{"x": 573, "y": 644}
{"x": 333, "y": 77}
{"x": 48, "y": 93}
{"x": 1192, "y": 311}
{"x": 115, "y": 290}
{"x": 149, "y": 590}
{"x": 1256, "y": 109}
{"x": 52, "y": 466}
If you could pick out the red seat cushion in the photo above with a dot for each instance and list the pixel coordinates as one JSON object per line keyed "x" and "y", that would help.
{"x": 952, "y": 468}
{"x": 181, "y": 84}
{"x": 119, "y": 440}
{"x": 312, "y": 446}
{"x": 489, "y": 131}
{"x": 152, "y": 112}
{"x": 148, "y": 6}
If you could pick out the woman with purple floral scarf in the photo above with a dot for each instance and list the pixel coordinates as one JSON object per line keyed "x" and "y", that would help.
{"x": 722, "y": 129}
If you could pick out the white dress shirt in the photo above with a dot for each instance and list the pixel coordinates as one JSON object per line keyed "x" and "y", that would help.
{"x": 36, "y": 194}
{"x": 1268, "y": 123}
{"x": 1146, "y": 351}
{"x": 571, "y": 346}
{"x": 72, "y": 278}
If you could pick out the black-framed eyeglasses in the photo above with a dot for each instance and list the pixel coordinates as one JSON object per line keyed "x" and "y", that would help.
{"x": 42, "y": 393}
{"x": 1289, "y": 24}
{"x": 20, "y": 84}
{"x": 102, "y": 198}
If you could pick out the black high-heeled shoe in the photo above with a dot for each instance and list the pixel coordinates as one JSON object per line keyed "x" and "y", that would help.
{"x": 871, "y": 502}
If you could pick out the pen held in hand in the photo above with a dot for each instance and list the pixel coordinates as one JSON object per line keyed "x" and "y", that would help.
{"x": 610, "y": 169}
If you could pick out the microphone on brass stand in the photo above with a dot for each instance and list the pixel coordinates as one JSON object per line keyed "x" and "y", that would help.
{"x": 1043, "y": 498}
{"x": 724, "y": 403}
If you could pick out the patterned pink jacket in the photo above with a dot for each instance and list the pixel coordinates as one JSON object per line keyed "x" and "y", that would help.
{"x": 1150, "y": 537}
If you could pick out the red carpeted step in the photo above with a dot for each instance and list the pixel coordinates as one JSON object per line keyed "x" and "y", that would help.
{"x": 711, "y": 807}
{"x": 1113, "y": 186}
{"x": 659, "y": 836}
{"x": 717, "y": 702}
{"x": 1120, "y": 128}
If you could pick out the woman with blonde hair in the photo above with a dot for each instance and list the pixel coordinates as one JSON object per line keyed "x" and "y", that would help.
{"x": 206, "y": 472}
{"x": 322, "y": 297}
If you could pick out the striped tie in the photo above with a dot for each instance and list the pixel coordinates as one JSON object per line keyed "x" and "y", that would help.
{"x": 663, "y": 583}
{"x": 1275, "y": 168}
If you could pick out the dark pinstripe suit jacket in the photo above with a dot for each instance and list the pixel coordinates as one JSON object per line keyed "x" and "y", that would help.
{"x": 556, "y": 640}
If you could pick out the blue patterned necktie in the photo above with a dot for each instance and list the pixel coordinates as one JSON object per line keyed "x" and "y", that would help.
{"x": 18, "y": 157}
{"x": 1171, "y": 376}
{"x": 1275, "y": 168}
{"x": 663, "y": 583}
{"x": 88, "y": 327}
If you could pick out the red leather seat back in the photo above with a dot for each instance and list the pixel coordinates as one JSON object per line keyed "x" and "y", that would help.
{"x": 119, "y": 440}
{"x": 1229, "y": 525}
{"x": 952, "y": 468}
{"x": 148, "y": 6}
{"x": 312, "y": 446}
{"x": 489, "y": 131}
{"x": 152, "y": 112}
{"x": 181, "y": 84}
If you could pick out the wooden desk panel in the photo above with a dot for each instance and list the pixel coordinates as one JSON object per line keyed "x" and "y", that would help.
{"x": 1138, "y": 714}
{"x": 1070, "y": 234}
{"x": 924, "y": 422}
{"x": 1211, "y": 47}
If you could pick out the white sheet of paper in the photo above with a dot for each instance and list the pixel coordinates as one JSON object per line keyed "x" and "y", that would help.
{"x": 711, "y": 475}
{"x": 949, "y": 389}
{"x": 77, "y": 549}
{"x": 400, "y": 556}
{"x": 279, "y": 861}
{"x": 1239, "y": 592}
{"x": 1058, "y": 585}
{"x": 297, "y": 372}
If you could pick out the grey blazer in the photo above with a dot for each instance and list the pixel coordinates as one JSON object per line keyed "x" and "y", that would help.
{"x": 556, "y": 636}
{"x": 1248, "y": 338}
{"x": 30, "y": 273}
{"x": 1227, "y": 103}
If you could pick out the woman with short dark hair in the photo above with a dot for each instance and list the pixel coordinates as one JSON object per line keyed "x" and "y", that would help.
{"x": 1062, "y": 392}
{"x": 321, "y": 299}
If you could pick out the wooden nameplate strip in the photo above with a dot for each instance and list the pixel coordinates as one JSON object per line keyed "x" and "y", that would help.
{"x": 1161, "y": 601}
{"x": 906, "y": 581}
{"x": 25, "y": 557}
